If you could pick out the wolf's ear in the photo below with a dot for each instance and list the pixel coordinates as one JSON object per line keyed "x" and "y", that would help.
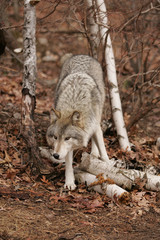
{"x": 76, "y": 118}
{"x": 54, "y": 115}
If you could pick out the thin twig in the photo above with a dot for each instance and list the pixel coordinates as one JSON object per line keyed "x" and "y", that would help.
{"x": 140, "y": 74}
{"x": 137, "y": 15}
{"x": 14, "y": 55}
{"x": 9, "y": 69}
{"x": 54, "y": 9}
{"x": 9, "y": 27}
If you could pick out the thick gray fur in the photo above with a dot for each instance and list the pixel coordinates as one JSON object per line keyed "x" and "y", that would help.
{"x": 79, "y": 101}
{"x": 83, "y": 64}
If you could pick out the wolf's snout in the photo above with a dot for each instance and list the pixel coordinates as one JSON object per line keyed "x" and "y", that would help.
{"x": 56, "y": 155}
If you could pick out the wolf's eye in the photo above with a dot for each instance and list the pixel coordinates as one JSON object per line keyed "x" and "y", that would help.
{"x": 67, "y": 138}
{"x": 55, "y": 137}
{"x": 51, "y": 135}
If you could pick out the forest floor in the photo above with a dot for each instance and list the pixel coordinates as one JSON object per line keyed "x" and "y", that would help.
{"x": 33, "y": 207}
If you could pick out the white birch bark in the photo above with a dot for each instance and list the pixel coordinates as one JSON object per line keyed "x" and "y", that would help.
{"x": 122, "y": 177}
{"x": 112, "y": 77}
{"x": 28, "y": 88}
{"x": 93, "y": 28}
{"x": 29, "y": 41}
{"x": 101, "y": 15}
{"x": 113, "y": 191}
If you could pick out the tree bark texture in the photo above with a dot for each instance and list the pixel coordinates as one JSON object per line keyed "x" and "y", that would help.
{"x": 29, "y": 85}
{"x": 113, "y": 191}
{"x": 92, "y": 27}
{"x": 30, "y": 68}
{"x": 125, "y": 178}
{"x": 112, "y": 77}
{"x": 99, "y": 31}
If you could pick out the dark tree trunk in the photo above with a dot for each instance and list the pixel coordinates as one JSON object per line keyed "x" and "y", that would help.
{"x": 28, "y": 88}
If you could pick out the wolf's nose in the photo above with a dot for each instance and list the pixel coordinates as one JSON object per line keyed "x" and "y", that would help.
{"x": 56, "y": 155}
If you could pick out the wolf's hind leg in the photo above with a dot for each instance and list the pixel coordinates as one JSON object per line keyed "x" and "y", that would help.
{"x": 69, "y": 174}
{"x": 98, "y": 136}
{"x": 94, "y": 148}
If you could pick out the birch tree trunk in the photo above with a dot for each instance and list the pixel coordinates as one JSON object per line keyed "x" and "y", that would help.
{"x": 100, "y": 22}
{"x": 112, "y": 77}
{"x": 29, "y": 85}
{"x": 93, "y": 30}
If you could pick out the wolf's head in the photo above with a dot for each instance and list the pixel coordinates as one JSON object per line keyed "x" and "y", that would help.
{"x": 65, "y": 133}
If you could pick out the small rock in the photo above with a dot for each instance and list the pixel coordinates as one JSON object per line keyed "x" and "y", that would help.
{"x": 43, "y": 41}
{"x": 18, "y": 50}
{"x": 49, "y": 57}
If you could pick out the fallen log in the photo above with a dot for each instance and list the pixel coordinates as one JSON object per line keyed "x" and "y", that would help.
{"x": 102, "y": 185}
{"x": 125, "y": 178}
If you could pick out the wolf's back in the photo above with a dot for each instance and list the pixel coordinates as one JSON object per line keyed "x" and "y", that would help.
{"x": 84, "y": 64}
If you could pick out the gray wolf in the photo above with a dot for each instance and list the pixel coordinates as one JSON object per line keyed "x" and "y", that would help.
{"x": 76, "y": 116}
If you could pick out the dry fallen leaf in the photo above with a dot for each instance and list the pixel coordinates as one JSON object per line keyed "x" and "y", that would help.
{"x": 7, "y": 158}
{"x": 44, "y": 180}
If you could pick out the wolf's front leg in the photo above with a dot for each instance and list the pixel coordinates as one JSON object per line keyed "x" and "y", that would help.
{"x": 98, "y": 137}
{"x": 69, "y": 174}
{"x": 94, "y": 148}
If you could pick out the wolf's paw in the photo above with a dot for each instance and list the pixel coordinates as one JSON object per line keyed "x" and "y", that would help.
{"x": 70, "y": 186}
